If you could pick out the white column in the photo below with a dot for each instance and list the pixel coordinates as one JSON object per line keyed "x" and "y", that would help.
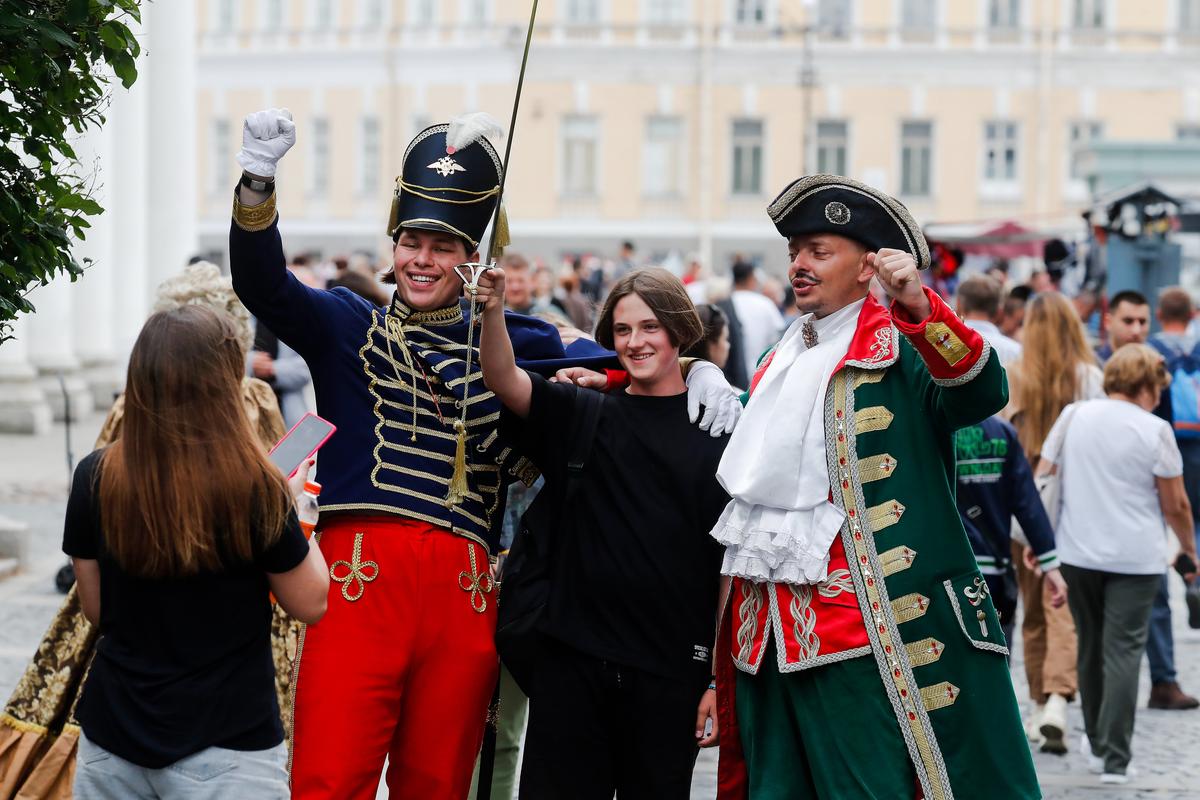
{"x": 129, "y": 206}
{"x": 170, "y": 152}
{"x": 23, "y": 407}
{"x": 92, "y": 294}
{"x": 52, "y": 350}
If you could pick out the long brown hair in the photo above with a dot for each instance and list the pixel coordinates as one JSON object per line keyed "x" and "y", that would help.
{"x": 187, "y": 487}
{"x": 1052, "y": 365}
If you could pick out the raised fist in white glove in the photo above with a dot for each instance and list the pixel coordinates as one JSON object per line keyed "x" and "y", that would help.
{"x": 706, "y": 386}
{"x": 266, "y": 136}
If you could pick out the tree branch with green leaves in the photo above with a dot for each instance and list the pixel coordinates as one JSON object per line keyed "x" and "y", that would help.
{"x": 55, "y": 63}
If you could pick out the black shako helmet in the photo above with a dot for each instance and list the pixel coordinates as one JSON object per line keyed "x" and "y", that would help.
{"x": 450, "y": 181}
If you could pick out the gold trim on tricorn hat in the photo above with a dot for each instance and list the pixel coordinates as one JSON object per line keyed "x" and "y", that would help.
{"x": 843, "y": 206}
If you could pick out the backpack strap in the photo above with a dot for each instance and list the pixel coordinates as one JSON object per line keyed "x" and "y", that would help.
{"x": 588, "y": 404}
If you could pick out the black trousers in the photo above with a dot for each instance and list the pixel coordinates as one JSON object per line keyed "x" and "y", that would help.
{"x": 596, "y": 728}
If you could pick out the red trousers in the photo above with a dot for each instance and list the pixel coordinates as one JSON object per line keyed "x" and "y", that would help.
{"x": 402, "y": 665}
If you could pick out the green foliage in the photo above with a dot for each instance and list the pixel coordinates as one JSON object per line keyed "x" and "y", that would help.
{"x": 52, "y": 85}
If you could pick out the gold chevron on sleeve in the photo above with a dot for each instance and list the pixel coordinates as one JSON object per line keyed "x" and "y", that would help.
{"x": 872, "y": 418}
{"x": 876, "y": 468}
{"x": 866, "y": 376}
{"x": 885, "y": 514}
{"x": 925, "y": 651}
{"x": 897, "y": 559}
{"x": 910, "y": 607}
{"x": 939, "y": 695}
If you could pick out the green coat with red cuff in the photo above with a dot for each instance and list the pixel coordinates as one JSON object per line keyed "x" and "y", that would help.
{"x": 923, "y": 609}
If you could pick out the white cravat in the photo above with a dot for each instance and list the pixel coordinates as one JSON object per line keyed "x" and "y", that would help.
{"x": 779, "y": 524}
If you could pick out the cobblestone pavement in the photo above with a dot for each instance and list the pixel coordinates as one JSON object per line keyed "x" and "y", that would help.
{"x": 33, "y": 487}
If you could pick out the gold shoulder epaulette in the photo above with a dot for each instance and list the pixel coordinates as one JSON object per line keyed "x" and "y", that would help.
{"x": 254, "y": 218}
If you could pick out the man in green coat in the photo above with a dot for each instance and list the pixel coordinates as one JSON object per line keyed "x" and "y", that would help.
{"x": 860, "y": 654}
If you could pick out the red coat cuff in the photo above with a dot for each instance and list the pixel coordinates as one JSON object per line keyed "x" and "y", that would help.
{"x": 615, "y": 379}
{"x": 952, "y": 352}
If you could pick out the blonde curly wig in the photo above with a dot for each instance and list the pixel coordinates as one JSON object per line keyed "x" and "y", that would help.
{"x": 202, "y": 284}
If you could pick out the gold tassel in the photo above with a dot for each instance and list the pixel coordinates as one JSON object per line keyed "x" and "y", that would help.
{"x": 502, "y": 238}
{"x": 458, "y": 481}
{"x": 394, "y": 213}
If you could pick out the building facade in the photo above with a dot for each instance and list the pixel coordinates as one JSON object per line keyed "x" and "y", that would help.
{"x": 673, "y": 122}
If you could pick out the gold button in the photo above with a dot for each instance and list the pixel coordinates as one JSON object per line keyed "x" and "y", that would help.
{"x": 980, "y": 615}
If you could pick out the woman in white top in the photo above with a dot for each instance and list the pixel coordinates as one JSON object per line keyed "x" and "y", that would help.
{"x": 1121, "y": 475}
{"x": 1056, "y": 367}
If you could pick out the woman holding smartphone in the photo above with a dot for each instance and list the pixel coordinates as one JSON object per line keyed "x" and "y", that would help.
{"x": 178, "y": 531}
{"x": 624, "y": 695}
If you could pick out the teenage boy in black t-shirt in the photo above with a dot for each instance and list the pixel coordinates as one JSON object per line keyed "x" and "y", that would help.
{"x": 624, "y": 697}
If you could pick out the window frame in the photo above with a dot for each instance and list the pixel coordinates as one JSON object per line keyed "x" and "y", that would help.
{"x": 930, "y": 179}
{"x": 677, "y": 152}
{"x": 819, "y": 145}
{"x": 567, "y": 184}
{"x": 736, "y": 143}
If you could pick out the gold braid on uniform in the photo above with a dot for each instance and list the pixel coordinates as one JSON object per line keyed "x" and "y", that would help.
{"x": 254, "y": 218}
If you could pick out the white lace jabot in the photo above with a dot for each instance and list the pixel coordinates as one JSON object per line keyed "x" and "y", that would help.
{"x": 779, "y": 524}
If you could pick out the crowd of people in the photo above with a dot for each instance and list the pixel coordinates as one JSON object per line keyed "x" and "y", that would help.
{"x": 618, "y": 514}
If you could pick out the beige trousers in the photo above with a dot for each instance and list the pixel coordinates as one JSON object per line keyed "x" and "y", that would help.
{"x": 1049, "y": 637}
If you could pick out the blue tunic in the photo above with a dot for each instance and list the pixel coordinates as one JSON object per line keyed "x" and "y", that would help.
{"x": 393, "y": 381}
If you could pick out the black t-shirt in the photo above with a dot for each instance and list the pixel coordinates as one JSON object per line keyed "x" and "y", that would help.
{"x": 181, "y": 664}
{"x": 636, "y": 572}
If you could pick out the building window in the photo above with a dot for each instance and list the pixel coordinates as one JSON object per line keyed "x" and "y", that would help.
{"x": 1000, "y": 148}
{"x": 1004, "y": 15}
{"x": 1189, "y": 16}
{"x": 369, "y": 179}
{"x": 663, "y": 157}
{"x": 916, "y": 158}
{"x": 664, "y": 12}
{"x": 219, "y": 154}
{"x": 1088, "y": 15}
{"x": 420, "y": 122}
{"x": 422, "y": 12}
{"x": 323, "y": 14}
{"x": 1079, "y": 136}
{"x": 750, "y": 12}
{"x": 918, "y": 16}
{"x": 371, "y": 13}
{"x": 580, "y": 150}
{"x": 226, "y": 16}
{"x": 832, "y": 142}
{"x": 273, "y": 15}
{"x": 476, "y": 11}
{"x": 747, "y": 156}
{"x": 834, "y": 18}
{"x": 583, "y": 12}
{"x": 1188, "y": 132}
{"x": 319, "y": 174}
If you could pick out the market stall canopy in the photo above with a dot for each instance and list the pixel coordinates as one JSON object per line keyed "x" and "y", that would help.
{"x": 1008, "y": 239}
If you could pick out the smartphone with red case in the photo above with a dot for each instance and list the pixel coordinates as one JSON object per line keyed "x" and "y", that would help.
{"x": 299, "y": 444}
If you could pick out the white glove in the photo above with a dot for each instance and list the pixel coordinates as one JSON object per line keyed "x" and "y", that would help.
{"x": 722, "y": 403}
{"x": 266, "y": 136}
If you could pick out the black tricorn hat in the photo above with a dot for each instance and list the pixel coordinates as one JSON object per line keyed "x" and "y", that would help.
{"x": 450, "y": 181}
{"x": 843, "y": 206}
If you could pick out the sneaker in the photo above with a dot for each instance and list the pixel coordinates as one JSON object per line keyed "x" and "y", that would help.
{"x": 1119, "y": 778}
{"x": 1168, "y": 696}
{"x": 1053, "y": 725}
{"x": 1033, "y": 724}
{"x": 1192, "y": 596}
